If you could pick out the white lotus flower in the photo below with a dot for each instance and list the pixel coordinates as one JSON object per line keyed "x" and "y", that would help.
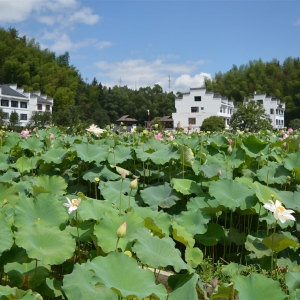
{"x": 73, "y": 205}
{"x": 280, "y": 213}
{"x": 95, "y": 130}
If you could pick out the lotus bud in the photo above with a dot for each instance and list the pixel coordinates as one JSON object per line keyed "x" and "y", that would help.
{"x": 121, "y": 232}
{"x": 229, "y": 150}
{"x": 97, "y": 179}
{"x": 214, "y": 282}
{"x": 51, "y": 136}
{"x": 123, "y": 175}
{"x": 219, "y": 172}
{"x": 133, "y": 184}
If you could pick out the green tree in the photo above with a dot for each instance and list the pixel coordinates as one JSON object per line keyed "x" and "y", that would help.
{"x": 251, "y": 115}
{"x": 40, "y": 119}
{"x": 14, "y": 119}
{"x": 295, "y": 124}
{"x": 2, "y": 116}
{"x": 213, "y": 123}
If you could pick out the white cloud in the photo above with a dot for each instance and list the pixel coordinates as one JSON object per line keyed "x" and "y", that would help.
{"x": 85, "y": 16}
{"x": 140, "y": 73}
{"x": 297, "y": 23}
{"x": 103, "y": 44}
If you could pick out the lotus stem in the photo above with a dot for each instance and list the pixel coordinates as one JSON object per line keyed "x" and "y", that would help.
{"x": 78, "y": 237}
{"x": 120, "y": 209}
{"x": 35, "y": 271}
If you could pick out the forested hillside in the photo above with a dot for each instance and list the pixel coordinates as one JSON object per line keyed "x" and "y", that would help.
{"x": 271, "y": 78}
{"x": 22, "y": 61}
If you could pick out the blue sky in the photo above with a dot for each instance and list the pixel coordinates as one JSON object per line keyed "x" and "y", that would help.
{"x": 141, "y": 43}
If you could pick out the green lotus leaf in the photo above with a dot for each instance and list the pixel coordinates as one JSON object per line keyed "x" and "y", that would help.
{"x": 77, "y": 285}
{"x": 14, "y": 293}
{"x": 102, "y": 172}
{"x": 113, "y": 190}
{"x": 292, "y": 161}
{"x": 185, "y": 186}
{"x": 186, "y": 155}
{"x": 292, "y": 280}
{"x": 90, "y": 152}
{"x": 264, "y": 193}
{"x": 290, "y": 199}
{"x": 159, "y": 157}
{"x": 55, "y": 185}
{"x": 278, "y": 242}
{"x": 106, "y": 230}
{"x": 50, "y": 288}
{"x": 85, "y": 230}
{"x": 212, "y": 235}
{"x": 32, "y": 143}
{"x": 181, "y": 235}
{"x": 9, "y": 176}
{"x": 254, "y": 146}
{"x": 162, "y": 195}
{"x": 218, "y": 141}
{"x": 155, "y": 252}
{"x": 125, "y": 278}
{"x": 258, "y": 286}
{"x": 157, "y": 221}
{"x": 273, "y": 173}
{"x": 211, "y": 170}
{"x": 225, "y": 292}
{"x": 153, "y": 144}
{"x": 255, "y": 245}
{"x": 8, "y": 193}
{"x": 194, "y": 221}
{"x": 205, "y": 202}
{"x": 5, "y": 235}
{"x": 119, "y": 155}
{"x": 183, "y": 286}
{"x": 233, "y": 235}
{"x": 93, "y": 209}
{"x": 193, "y": 256}
{"x": 231, "y": 194}
{"x": 4, "y": 161}
{"x": 233, "y": 269}
{"x": 10, "y": 142}
{"x": 49, "y": 245}
{"x": 45, "y": 210}
{"x": 26, "y": 273}
{"x": 25, "y": 164}
{"x": 55, "y": 156}
{"x": 14, "y": 254}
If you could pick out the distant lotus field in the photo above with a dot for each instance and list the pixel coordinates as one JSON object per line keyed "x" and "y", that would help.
{"x": 99, "y": 215}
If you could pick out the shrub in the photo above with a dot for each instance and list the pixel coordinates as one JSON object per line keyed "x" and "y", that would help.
{"x": 213, "y": 123}
{"x": 295, "y": 124}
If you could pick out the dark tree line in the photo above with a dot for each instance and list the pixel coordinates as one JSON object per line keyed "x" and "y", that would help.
{"x": 77, "y": 102}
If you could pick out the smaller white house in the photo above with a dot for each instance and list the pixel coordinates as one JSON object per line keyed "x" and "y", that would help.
{"x": 198, "y": 104}
{"x": 23, "y": 103}
{"x": 274, "y": 108}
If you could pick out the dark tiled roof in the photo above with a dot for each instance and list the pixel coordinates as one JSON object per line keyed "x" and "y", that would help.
{"x": 166, "y": 119}
{"x": 41, "y": 99}
{"x": 126, "y": 118}
{"x": 8, "y": 91}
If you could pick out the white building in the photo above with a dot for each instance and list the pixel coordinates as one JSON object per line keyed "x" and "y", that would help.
{"x": 198, "y": 104}
{"x": 13, "y": 98}
{"x": 274, "y": 108}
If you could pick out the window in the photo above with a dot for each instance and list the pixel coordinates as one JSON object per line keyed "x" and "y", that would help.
{"x": 194, "y": 109}
{"x": 230, "y": 111}
{"x": 47, "y": 107}
{"x": 271, "y": 111}
{"x": 276, "y": 111}
{"x": 40, "y": 106}
{"x": 260, "y": 101}
{"x": 4, "y": 102}
{"x": 221, "y": 110}
{"x": 192, "y": 121}
{"x": 14, "y": 104}
{"x": 23, "y": 117}
{"x": 23, "y": 104}
{"x": 202, "y": 108}
{"x": 6, "y": 116}
{"x": 197, "y": 98}
{"x": 276, "y": 121}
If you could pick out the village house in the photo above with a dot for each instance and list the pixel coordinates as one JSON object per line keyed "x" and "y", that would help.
{"x": 23, "y": 103}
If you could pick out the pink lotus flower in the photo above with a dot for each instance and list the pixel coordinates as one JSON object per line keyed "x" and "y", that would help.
{"x": 51, "y": 136}
{"x": 290, "y": 130}
{"x": 229, "y": 141}
{"x": 25, "y": 134}
{"x": 158, "y": 136}
{"x": 285, "y": 136}
{"x": 171, "y": 138}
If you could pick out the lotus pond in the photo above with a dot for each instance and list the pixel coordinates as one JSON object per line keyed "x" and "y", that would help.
{"x": 84, "y": 216}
